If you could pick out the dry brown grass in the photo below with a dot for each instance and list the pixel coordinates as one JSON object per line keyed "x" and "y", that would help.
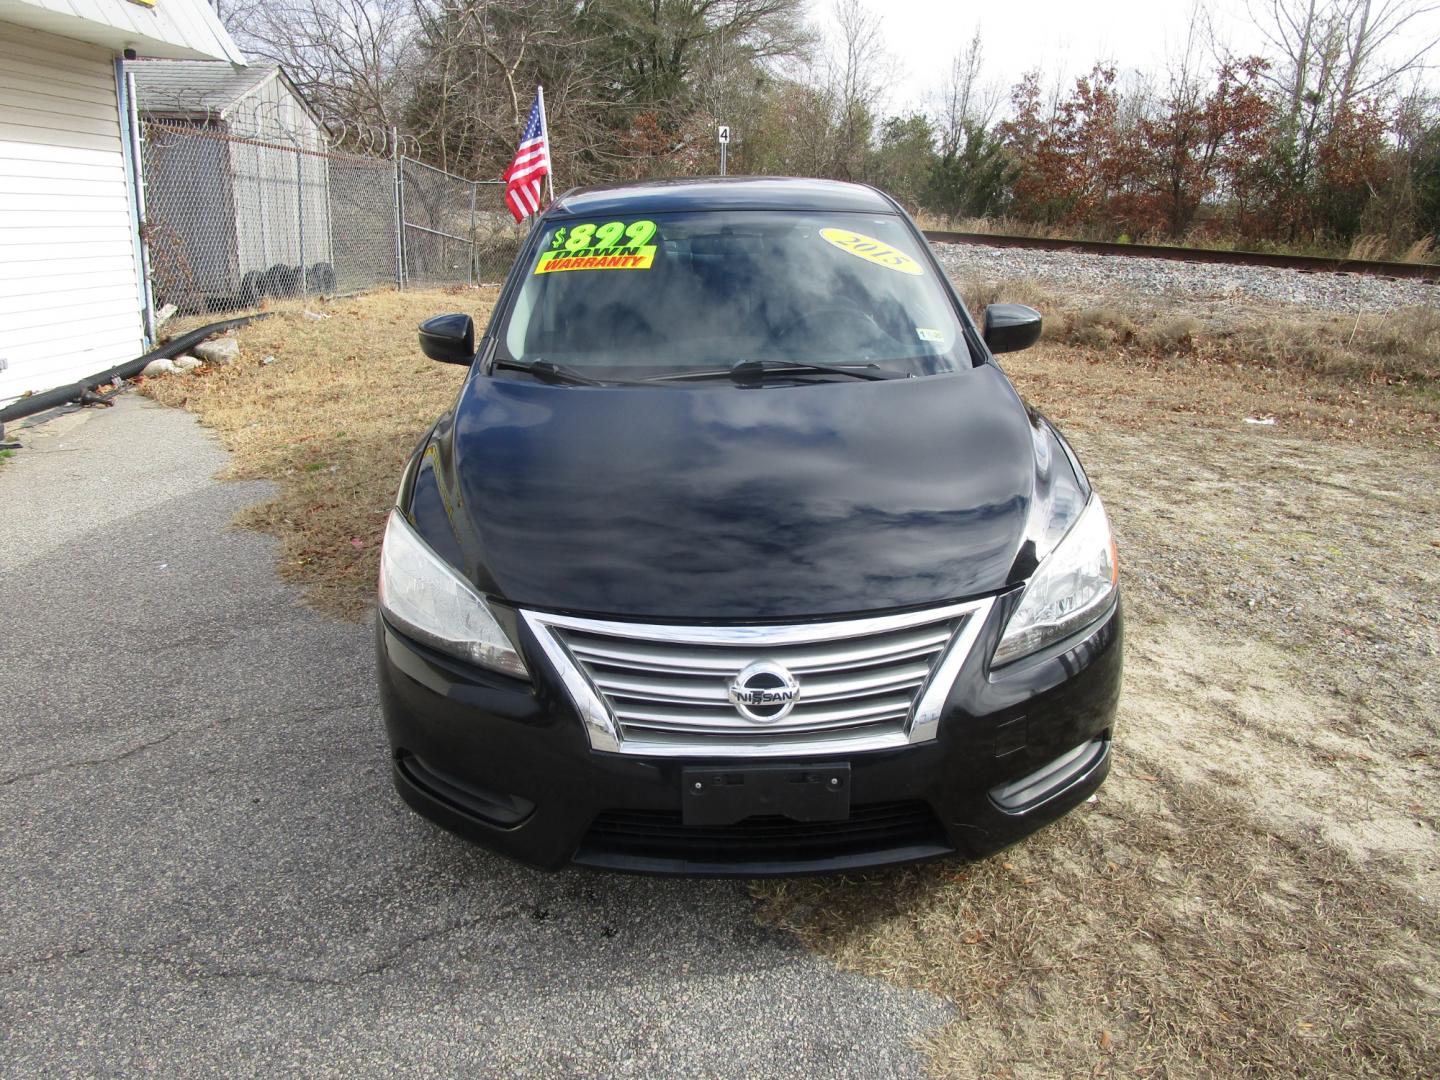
{"x": 1397, "y": 347}
{"x": 1421, "y": 251}
{"x": 1136, "y": 391}
{"x": 1369, "y": 247}
{"x": 1159, "y": 932}
{"x": 1380, "y": 247}
{"x": 332, "y": 421}
{"x": 989, "y": 226}
{"x": 980, "y": 293}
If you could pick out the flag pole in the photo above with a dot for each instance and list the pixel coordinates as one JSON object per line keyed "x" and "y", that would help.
{"x": 545, "y": 130}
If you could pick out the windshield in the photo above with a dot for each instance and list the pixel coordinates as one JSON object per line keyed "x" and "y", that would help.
{"x": 637, "y": 297}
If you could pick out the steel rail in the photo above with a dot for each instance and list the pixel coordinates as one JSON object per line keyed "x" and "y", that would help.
{"x": 1308, "y": 264}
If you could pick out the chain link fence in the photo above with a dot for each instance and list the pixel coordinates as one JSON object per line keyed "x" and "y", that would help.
{"x": 454, "y": 229}
{"x": 232, "y": 219}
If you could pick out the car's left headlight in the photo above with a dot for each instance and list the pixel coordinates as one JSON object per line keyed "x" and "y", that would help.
{"x": 422, "y": 595}
{"x": 1073, "y": 586}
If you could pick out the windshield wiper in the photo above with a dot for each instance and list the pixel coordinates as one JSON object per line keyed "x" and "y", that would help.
{"x": 548, "y": 372}
{"x": 755, "y": 370}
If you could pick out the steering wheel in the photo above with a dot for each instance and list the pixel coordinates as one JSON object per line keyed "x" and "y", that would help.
{"x": 831, "y": 319}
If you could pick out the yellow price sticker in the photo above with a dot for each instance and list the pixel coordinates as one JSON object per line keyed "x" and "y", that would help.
{"x": 641, "y": 258}
{"x": 613, "y": 245}
{"x": 872, "y": 250}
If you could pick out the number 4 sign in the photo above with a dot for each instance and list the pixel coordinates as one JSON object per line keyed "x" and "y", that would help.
{"x": 724, "y": 134}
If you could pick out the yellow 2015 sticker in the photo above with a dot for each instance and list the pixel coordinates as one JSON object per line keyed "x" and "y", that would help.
{"x": 872, "y": 250}
{"x": 588, "y": 246}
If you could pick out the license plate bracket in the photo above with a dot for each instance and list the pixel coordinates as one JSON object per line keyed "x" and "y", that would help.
{"x": 725, "y": 795}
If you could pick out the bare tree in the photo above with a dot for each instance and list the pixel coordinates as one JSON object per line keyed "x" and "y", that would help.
{"x": 1336, "y": 64}
{"x": 480, "y": 63}
{"x": 657, "y": 45}
{"x": 1371, "y": 28}
{"x": 964, "y": 101}
{"x": 855, "y": 84}
{"x": 1332, "y": 53}
{"x": 349, "y": 57}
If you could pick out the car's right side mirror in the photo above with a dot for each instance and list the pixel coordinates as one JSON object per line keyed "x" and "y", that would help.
{"x": 448, "y": 338}
{"x": 1011, "y": 327}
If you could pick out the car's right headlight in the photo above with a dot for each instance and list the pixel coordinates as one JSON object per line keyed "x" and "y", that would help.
{"x": 1073, "y": 586}
{"x": 423, "y": 596}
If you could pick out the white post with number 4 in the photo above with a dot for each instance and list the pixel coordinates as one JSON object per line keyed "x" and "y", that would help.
{"x": 722, "y": 134}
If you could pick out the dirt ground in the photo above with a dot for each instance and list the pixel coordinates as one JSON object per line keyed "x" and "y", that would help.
{"x": 1256, "y": 890}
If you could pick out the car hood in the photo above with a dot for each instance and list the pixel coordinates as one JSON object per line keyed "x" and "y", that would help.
{"x": 718, "y": 502}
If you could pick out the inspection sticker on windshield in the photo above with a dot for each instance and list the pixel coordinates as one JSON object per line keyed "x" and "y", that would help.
{"x": 872, "y": 250}
{"x": 927, "y": 334}
{"x": 611, "y": 246}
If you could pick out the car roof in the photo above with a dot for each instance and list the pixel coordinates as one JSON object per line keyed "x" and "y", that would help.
{"x": 721, "y": 193}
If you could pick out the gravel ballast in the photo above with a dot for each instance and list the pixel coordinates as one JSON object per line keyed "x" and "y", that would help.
{"x": 1093, "y": 277}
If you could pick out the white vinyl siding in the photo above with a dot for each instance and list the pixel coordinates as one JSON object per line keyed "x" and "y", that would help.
{"x": 69, "y": 292}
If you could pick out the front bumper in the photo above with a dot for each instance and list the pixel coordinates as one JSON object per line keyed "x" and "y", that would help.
{"x": 507, "y": 764}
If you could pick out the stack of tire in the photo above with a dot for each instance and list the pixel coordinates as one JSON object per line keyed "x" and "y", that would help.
{"x": 281, "y": 281}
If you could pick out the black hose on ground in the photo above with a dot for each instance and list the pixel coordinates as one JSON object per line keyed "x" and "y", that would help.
{"x": 64, "y": 395}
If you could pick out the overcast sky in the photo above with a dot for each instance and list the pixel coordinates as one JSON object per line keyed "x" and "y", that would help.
{"x": 1066, "y": 36}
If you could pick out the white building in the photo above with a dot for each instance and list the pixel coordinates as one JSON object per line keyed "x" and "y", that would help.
{"x": 237, "y": 182}
{"x": 71, "y": 288}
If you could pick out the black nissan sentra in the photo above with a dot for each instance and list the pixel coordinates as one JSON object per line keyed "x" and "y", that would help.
{"x": 739, "y": 554}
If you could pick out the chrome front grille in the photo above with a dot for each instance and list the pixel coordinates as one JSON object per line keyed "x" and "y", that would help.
{"x": 864, "y": 684}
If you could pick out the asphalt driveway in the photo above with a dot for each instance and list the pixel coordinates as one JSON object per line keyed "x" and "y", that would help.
{"x": 205, "y": 871}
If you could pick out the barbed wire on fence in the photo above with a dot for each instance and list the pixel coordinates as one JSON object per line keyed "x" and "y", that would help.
{"x": 253, "y": 205}
{"x": 368, "y": 139}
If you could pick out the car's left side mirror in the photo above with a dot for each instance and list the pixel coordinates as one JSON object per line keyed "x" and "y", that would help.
{"x": 448, "y": 338}
{"x": 1011, "y": 327}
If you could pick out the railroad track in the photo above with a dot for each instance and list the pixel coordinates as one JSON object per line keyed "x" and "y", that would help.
{"x": 1308, "y": 264}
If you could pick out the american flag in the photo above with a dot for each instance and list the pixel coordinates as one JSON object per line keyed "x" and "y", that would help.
{"x": 531, "y": 164}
